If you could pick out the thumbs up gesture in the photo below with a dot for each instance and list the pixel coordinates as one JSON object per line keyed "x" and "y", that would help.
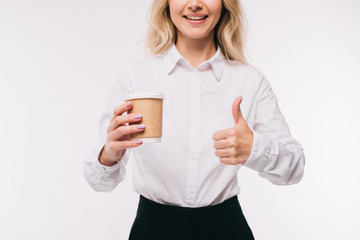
{"x": 233, "y": 145}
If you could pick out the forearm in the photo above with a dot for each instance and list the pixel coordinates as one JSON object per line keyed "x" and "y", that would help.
{"x": 104, "y": 178}
{"x": 105, "y": 159}
{"x": 281, "y": 164}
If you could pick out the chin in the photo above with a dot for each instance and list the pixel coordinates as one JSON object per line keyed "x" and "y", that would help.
{"x": 198, "y": 36}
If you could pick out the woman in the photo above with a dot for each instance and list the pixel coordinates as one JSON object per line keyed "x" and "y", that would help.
{"x": 188, "y": 183}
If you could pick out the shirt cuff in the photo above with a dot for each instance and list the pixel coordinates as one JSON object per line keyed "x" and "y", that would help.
{"x": 260, "y": 152}
{"x": 105, "y": 169}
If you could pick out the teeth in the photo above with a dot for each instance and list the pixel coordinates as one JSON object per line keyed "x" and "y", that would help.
{"x": 195, "y": 18}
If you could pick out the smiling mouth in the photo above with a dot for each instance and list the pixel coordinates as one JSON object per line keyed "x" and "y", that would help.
{"x": 195, "y": 18}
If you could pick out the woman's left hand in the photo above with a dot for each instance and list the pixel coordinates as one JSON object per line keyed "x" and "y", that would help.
{"x": 233, "y": 145}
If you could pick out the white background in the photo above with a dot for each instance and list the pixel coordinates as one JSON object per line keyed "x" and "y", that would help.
{"x": 58, "y": 60}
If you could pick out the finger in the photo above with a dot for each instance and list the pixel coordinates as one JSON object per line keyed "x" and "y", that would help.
{"x": 126, "y": 144}
{"x": 122, "y": 119}
{"x": 223, "y": 134}
{"x": 222, "y": 153}
{"x": 124, "y": 130}
{"x": 227, "y": 161}
{"x": 236, "y": 111}
{"x": 122, "y": 108}
{"x": 221, "y": 144}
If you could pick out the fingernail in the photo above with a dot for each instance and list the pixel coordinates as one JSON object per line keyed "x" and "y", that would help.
{"x": 138, "y": 116}
{"x": 128, "y": 104}
{"x": 141, "y": 126}
{"x": 139, "y": 141}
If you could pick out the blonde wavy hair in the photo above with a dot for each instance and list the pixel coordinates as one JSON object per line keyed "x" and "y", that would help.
{"x": 229, "y": 31}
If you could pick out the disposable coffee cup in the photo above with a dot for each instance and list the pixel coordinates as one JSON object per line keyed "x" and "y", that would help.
{"x": 150, "y": 106}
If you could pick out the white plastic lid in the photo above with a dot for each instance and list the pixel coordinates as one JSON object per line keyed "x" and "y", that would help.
{"x": 144, "y": 94}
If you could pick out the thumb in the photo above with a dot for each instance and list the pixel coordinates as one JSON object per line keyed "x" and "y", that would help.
{"x": 236, "y": 112}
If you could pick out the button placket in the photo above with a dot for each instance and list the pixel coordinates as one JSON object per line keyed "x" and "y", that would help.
{"x": 194, "y": 139}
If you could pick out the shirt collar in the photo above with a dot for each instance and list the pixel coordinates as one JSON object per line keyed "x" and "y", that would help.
{"x": 217, "y": 62}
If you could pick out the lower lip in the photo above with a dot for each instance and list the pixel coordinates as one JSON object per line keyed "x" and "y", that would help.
{"x": 195, "y": 21}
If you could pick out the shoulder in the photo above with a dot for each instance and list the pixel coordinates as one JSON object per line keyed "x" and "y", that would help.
{"x": 244, "y": 68}
{"x": 143, "y": 65}
{"x": 144, "y": 72}
{"x": 243, "y": 71}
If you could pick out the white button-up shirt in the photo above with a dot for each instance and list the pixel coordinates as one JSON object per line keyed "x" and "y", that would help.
{"x": 183, "y": 169}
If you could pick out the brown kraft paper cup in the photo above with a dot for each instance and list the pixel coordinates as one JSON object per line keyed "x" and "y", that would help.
{"x": 150, "y": 106}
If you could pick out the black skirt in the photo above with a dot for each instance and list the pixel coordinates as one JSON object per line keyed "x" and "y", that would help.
{"x": 224, "y": 221}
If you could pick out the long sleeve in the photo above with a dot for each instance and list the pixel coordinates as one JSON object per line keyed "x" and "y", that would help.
{"x": 100, "y": 177}
{"x": 183, "y": 170}
{"x": 275, "y": 154}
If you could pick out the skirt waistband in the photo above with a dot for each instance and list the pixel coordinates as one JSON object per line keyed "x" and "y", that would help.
{"x": 151, "y": 211}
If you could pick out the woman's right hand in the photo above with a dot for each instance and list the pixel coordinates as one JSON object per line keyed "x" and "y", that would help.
{"x": 118, "y": 135}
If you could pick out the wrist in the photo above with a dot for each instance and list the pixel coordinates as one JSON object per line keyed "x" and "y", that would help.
{"x": 105, "y": 160}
